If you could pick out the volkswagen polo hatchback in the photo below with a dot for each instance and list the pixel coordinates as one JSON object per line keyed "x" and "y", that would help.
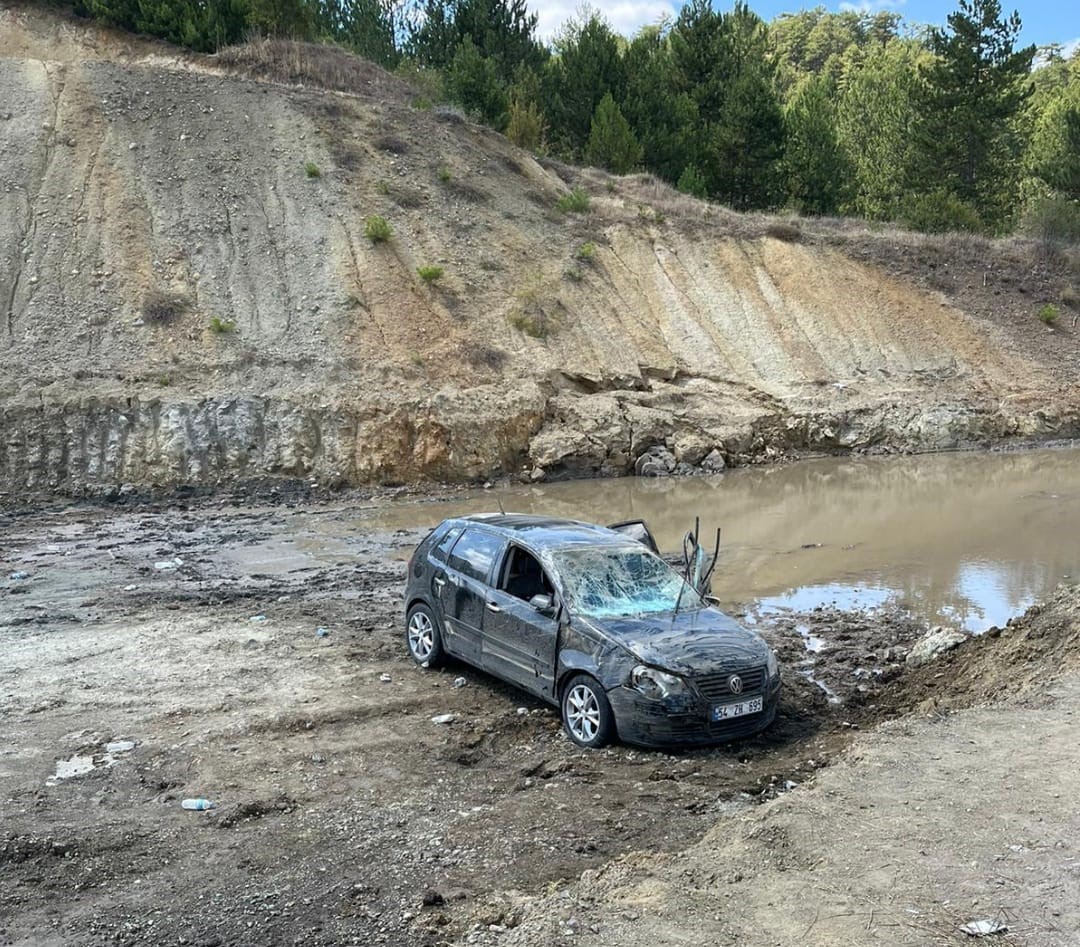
{"x": 593, "y": 622}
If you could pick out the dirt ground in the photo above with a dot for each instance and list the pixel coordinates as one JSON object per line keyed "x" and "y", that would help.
{"x": 248, "y": 670}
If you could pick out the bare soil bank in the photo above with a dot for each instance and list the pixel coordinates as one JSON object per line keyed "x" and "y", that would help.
{"x": 180, "y": 302}
{"x": 345, "y": 815}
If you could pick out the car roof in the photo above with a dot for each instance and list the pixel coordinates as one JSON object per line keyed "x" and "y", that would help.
{"x": 546, "y": 532}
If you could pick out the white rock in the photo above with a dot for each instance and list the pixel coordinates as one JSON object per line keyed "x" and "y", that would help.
{"x": 443, "y": 719}
{"x": 120, "y": 746}
{"x": 934, "y": 644}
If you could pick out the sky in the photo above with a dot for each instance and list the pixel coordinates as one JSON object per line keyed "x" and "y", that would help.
{"x": 1044, "y": 21}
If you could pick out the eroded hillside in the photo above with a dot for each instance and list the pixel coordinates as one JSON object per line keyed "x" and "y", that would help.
{"x": 187, "y": 294}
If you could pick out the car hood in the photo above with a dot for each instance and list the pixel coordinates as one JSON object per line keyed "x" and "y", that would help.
{"x": 701, "y": 641}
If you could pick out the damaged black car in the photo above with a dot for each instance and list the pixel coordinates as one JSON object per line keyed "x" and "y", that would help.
{"x": 594, "y": 621}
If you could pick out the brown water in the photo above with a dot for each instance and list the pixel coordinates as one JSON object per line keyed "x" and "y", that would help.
{"x": 966, "y": 539}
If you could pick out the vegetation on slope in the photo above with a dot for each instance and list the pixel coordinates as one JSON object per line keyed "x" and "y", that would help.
{"x": 846, "y": 113}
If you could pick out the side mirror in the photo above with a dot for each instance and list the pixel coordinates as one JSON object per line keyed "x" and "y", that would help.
{"x": 544, "y": 604}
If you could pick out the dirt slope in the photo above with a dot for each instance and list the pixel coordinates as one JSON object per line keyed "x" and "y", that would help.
{"x": 144, "y": 194}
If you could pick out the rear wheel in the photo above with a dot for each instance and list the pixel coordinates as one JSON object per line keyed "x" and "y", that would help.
{"x": 586, "y": 713}
{"x": 423, "y": 636}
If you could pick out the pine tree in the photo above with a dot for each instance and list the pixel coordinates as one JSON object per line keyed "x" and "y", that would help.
{"x": 503, "y": 31}
{"x": 612, "y": 144}
{"x": 473, "y": 82}
{"x": 877, "y": 119}
{"x": 974, "y": 90}
{"x": 746, "y": 138}
{"x": 664, "y": 118}
{"x": 816, "y": 170}
{"x": 587, "y": 67}
{"x": 1055, "y": 147}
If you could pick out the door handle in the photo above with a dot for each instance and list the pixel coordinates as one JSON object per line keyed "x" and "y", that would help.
{"x": 439, "y": 583}
{"x": 492, "y": 607}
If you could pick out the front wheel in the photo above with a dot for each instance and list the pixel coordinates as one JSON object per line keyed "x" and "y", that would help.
{"x": 586, "y": 713}
{"x": 423, "y": 636}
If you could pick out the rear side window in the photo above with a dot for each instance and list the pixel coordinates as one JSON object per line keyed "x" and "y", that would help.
{"x": 475, "y": 553}
{"x": 442, "y": 549}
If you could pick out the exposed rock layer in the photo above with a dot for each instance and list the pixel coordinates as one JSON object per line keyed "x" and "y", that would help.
{"x": 181, "y": 302}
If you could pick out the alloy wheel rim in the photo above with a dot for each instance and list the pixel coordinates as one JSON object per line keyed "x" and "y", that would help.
{"x": 583, "y": 713}
{"x": 421, "y": 636}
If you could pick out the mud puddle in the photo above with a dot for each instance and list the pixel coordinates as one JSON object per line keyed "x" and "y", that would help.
{"x": 965, "y": 540}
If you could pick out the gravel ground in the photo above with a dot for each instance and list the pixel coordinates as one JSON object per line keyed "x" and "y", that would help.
{"x": 253, "y": 656}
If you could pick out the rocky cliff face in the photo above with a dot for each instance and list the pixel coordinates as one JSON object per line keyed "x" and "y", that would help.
{"x": 187, "y": 294}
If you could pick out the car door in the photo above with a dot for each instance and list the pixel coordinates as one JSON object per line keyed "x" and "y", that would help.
{"x": 443, "y": 591}
{"x": 463, "y": 595}
{"x": 518, "y": 641}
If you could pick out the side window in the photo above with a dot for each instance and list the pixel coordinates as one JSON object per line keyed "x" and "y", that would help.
{"x": 442, "y": 548}
{"x": 523, "y": 576}
{"x": 475, "y": 552}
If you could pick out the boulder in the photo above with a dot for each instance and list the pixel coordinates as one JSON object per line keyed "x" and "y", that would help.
{"x": 934, "y": 644}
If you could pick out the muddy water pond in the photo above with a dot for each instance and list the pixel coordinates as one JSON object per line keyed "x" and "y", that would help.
{"x": 965, "y": 540}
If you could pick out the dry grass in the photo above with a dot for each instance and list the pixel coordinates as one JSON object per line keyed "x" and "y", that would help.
{"x": 313, "y": 64}
{"x": 162, "y": 308}
{"x": 481, "y": 356}
{"x": 467, "y": 191}
{"x": 784, "y": 230}
{"x": 391, "y": 144}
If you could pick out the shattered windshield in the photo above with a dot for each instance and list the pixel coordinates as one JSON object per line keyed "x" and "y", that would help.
{"x": 606, "y": 582}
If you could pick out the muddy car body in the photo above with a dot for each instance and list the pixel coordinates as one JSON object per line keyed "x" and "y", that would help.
{"x": 593, "y": 622}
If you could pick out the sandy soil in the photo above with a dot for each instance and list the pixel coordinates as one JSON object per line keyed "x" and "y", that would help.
{"x": 345, "y": 815}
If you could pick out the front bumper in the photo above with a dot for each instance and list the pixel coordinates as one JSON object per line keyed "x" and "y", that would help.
{"x": 647, "y": 722}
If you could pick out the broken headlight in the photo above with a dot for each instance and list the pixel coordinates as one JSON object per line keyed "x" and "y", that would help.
{"x": 656, "y": 684}
{"x": 772, "y": 666}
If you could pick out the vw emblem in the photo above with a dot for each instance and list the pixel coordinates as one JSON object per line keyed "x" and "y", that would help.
{"x": 735, "y": 683}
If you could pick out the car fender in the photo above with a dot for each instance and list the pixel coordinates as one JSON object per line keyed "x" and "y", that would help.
{"x": 582, "y": 653}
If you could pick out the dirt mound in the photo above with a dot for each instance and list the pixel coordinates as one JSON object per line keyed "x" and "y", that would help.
{"x": 190, "y": 292}
{"x": 1018, "y": 662}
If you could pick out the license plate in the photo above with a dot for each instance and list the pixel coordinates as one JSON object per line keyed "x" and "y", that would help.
{"x": 740, "y": 708}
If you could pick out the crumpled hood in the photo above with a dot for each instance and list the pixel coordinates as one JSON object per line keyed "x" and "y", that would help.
{"x": 696, "y": 642}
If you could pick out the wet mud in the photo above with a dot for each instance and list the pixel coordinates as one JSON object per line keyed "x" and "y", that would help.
{"x": 250, "y": 665}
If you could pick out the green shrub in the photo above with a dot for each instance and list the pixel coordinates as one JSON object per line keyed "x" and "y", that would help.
{"x": 220, "y": 326}
{"x": 1053, "y": 219}
{"x": 536, "y": 325}
{"x": 382, "y": 187}
{"x": 429, "y": 273}
{"x": 422, "y": 103}
{"x": 692, "y": 182}
{"x": 586, "y": 252}
{"x": 574, "y": 273}
{"x": 444, "y": 174}
{"x": 376, "y": 229}
{"x": 940, "y": 212}
{"x": 574, "y": 202}
{"x": 311, "y": 169}
{"x": 1049, "y": 314}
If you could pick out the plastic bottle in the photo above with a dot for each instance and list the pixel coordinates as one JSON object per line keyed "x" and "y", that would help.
{"x": 198, "y": 805}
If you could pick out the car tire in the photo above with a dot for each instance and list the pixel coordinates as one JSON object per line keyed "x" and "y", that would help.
{"x": 423, "y": 636}
{"x": 586, "y": 713}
